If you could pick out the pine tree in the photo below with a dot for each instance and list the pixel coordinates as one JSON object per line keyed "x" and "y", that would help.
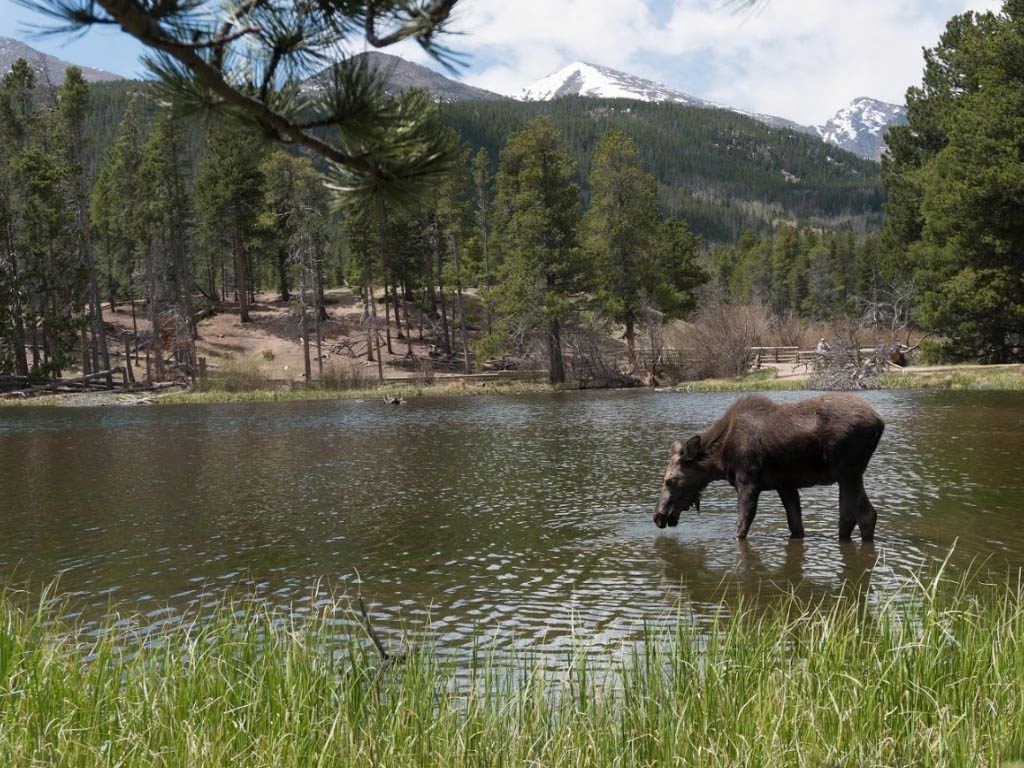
{"x": 74, "y": 108}
{"x": 229, "y": 197}
{"x": 622, "y": 228}
{"x": 244, "y": 60}
{"x": 166, "y": 211}
{"x": 539, "y": 223}
{"x": 296, "y": 200}
{"x": 482, "y": 181}
{"x": 955, "y": 174}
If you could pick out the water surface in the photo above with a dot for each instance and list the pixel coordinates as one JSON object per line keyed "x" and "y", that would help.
{"x": 525, "y": 518}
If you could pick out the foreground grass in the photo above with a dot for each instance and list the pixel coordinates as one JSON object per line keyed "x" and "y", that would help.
{"x": 934, "y": 682}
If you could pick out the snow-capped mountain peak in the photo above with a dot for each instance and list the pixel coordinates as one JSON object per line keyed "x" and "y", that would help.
{"x": 860, "y": 126}
{"x": 583, "y": 79}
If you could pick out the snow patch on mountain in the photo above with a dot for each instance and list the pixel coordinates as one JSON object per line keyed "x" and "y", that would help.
{"x": 859, "y": 128}
{"x": 583, "y": 79}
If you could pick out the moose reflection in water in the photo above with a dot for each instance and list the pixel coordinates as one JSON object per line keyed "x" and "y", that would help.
{"x": 706, "y": 574}
{"x": 760, "y": 445}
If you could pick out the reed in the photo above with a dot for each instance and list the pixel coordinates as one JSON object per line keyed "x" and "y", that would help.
{"x": 929, "y": 677}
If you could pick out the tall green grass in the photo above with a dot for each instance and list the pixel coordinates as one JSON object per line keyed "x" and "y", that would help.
{"x": 935, "y": 678}
{"x": 974, "y": 379}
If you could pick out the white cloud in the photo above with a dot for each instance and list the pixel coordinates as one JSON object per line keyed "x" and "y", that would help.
{"x": 801, "y": 59}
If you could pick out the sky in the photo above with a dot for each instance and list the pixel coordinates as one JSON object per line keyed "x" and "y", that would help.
{"x": 799, "y": 59}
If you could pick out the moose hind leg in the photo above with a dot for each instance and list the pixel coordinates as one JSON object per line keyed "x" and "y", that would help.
{"x": 855, "y": 508}
{"x": 747, "y": 510}
{"x": 791, "y": 501}
{"x": 866, "y": 517}
{"x": 848, "y": 507}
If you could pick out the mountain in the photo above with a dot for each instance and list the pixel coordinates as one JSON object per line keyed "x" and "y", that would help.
{"x": 721, "y": 171}
{"x": 403, "y": 75}
{"x": 583, "y": 79}
{"x": 11, "y": 50}
{"x": 858, "y": 128}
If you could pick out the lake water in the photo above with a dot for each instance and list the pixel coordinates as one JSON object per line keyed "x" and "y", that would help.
{"x": 525, "y": 519}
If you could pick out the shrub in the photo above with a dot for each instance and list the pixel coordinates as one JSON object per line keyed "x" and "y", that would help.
{"x": 717, "y": 344}
{"x": 236, "y": 376}
{"x": 346, "y": 378}
{"x": 934, "y": 353}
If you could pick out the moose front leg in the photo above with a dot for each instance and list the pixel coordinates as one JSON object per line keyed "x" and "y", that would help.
{"x": 747, "y": 509}
{"x": 791, "y": 501}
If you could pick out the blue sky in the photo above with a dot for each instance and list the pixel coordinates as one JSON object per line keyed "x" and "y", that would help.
{"x": 800, "y": 59}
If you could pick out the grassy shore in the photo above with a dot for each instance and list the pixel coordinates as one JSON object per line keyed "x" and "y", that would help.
{"x": 932, "y": 680}
{"x": 234, "y": 389}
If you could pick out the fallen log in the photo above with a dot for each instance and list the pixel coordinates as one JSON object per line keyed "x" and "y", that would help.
{"x": 56, "y": 385}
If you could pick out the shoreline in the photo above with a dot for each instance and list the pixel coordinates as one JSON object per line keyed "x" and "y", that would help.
{"x": 1007, "y": 378}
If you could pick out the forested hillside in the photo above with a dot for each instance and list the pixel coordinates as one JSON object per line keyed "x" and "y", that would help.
{"x": 720, "y": 171}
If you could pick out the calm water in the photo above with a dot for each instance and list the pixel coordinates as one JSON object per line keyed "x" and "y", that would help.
{"x": 525, "y": 518}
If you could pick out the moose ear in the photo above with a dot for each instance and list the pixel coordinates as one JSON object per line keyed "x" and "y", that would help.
{"x": 677, "y": 447}
{"x": 692, "y": 449}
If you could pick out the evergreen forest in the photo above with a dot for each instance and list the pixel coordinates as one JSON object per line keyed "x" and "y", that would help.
{"x": 608, "y": 214}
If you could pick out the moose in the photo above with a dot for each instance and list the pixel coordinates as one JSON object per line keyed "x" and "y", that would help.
{"x": 760, "y": 445}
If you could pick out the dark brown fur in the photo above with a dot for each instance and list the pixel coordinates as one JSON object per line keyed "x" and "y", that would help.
{"x": 759, "y": 445}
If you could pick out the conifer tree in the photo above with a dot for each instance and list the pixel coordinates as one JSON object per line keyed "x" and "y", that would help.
{"x": 229, "y": 197}
{"x": 539, "y": 218}
{"x": 482, "y": 181}
{"x": 296, "y": 200}
{"x": 622, "y": 228}
{"x": 955, "y": 175}
{"x": 116, "y": 209}
{"x": 245, "y": 59}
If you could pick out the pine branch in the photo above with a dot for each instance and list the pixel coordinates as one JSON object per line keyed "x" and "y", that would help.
{"x": 384, "y": 145}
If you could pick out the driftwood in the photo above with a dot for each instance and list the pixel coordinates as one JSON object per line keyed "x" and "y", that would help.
{"x": 65, "y": 384}
{"x": 80, "y": 385}
{"x": 388, "y": 658}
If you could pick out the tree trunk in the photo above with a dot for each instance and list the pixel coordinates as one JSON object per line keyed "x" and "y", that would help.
{"x": 446, "y": 345}
{"x": 376, "y": 336}
{"x": 408, "y": 330}
{"x": 129, "y": 373}
{"x": 211, "y": 278}
{"x": 86, "y": 369}
{"x": 20, "y": 359}
{"x": 282, "y": 274}
{"x": 367, "y": 289}
{"x": 556, "y": 365}
{"x": 305, "y": 345}
{"x": 242, "y": 281}
{"x": 321, "y": 302}
{"x": 154, "y": 313}
{"x": 428, "y": 270}
{"x": 460, "y": 306}
{"x": 387, "y": 311}
{"x": 318, "y": 308}
{"x": 631, "y": 342}
{"x": 398, "y": 320}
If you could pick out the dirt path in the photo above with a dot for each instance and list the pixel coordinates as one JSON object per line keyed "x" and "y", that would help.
{"x": 272, "y": 344}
